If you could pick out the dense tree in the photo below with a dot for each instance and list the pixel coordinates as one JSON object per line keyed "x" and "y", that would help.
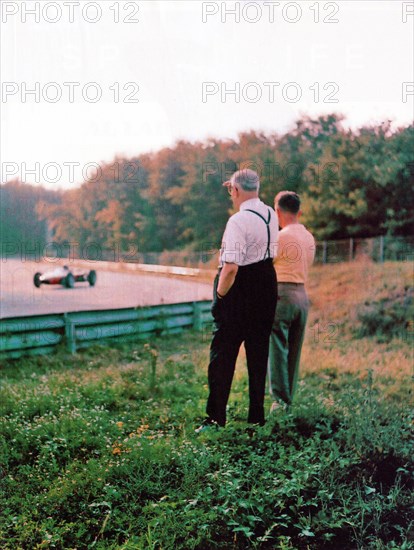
{"x": 353, "y": 183}
{"x": 20, "y": 226}
{"x": 364, "y": 186}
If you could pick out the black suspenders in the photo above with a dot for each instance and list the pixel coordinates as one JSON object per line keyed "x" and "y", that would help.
{"x": 267, "y": 254}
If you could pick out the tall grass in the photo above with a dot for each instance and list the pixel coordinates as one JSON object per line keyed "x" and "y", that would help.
{"x": 98, "y": 449}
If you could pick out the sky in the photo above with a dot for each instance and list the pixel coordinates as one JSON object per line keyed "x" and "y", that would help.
{"x": 111, "y": 78}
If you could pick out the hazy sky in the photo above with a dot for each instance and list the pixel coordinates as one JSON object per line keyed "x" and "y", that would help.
{"x": 152, "y": 60}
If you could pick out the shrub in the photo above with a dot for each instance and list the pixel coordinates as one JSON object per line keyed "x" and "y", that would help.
{"x": 388, "y": 317}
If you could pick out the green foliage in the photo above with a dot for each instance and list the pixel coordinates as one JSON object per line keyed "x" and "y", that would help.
{"x": 98, "y": 451}
{"x": 363, "y": 186}
{"x": 353, "y": 184}
{"x": 388, "y": 317}
{"x": 19, "y": 225}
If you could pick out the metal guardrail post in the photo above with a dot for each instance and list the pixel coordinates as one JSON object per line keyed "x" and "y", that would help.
{"x": 351, "y": 249}
{"x": 70, "y": 333}
{"x": 324, "y": 252}
{"x": 381, "y": 250}
{"x": 198, "y": 320}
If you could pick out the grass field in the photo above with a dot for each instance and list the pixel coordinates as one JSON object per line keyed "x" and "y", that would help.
{"x": 98, "y": 449}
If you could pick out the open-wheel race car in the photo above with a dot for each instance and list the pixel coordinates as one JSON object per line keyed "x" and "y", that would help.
{"x": 65, "y": 276}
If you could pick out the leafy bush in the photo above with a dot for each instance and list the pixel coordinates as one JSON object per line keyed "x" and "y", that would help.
{"x": 388, "y": 317}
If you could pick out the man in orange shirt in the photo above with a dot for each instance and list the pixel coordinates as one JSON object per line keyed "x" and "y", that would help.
{"x": 296, "y": 252}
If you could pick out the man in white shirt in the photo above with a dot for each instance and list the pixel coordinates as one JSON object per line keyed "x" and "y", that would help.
{"x": 245, "y": 294}
{"x": 295, "y": 254}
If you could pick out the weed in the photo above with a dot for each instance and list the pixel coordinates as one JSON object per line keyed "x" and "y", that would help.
{"x": 98, "y": 450}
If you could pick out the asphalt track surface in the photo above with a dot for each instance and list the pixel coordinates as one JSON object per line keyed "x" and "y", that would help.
{"x": 19, "y": 297}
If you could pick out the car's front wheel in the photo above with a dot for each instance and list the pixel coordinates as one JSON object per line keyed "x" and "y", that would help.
{"x": 36, "y": 280}
{"x": 69, "y": 281}
{"x": 92, "y": 277}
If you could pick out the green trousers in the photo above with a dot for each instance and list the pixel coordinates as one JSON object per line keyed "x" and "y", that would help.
{"x": 286, "y": 341}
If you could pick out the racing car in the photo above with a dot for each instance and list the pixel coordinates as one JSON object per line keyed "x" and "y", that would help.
{"x": 65, "y": 276}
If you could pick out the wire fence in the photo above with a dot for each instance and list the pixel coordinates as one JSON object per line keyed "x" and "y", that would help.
{"x": 376, "y": 249}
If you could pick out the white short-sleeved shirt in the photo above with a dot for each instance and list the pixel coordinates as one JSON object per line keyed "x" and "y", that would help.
{"x": 245, "y": 238}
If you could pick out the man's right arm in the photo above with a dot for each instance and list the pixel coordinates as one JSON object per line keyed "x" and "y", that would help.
{"x": 227, "y": 277}
{"x": 234, "y": 243}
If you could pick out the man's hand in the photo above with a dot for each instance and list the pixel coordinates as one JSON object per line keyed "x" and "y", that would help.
{"x": 225, "y": 282}
{"x": 227, "y": 277}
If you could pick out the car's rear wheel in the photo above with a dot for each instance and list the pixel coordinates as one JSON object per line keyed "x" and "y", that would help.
{"x": 92, "y": 277}
{"x": 69, "y": 281}
{"x": 36, "y": 280}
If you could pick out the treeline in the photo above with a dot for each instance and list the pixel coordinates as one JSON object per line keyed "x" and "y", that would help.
{"x": 353, "y": 184}
{"x": 19, "y": 219}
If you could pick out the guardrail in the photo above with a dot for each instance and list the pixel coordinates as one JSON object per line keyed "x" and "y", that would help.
{"x": 42, "y": 334}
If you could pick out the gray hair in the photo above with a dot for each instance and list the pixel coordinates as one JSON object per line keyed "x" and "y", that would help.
{"x": 246, "y": 179}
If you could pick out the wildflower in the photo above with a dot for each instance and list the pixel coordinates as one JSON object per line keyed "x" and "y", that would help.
{"x": 117, "y": 448}
{"x": 141, "y": 429}
{"x": 151, "y": 351}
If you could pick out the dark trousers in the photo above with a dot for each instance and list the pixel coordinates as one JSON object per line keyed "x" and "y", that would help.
{"x": 246, "y": 315}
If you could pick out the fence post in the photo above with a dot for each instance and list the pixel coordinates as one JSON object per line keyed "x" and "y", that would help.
{"x": 351, "y": 249}
{"x": 381, "y": 251}
{"x": 198, "y": 321}
{"x": 324, "y": 252}
{"x": 70, "y": 334}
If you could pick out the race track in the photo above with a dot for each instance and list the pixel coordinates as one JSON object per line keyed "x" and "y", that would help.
{"x": 113, "y": 290}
